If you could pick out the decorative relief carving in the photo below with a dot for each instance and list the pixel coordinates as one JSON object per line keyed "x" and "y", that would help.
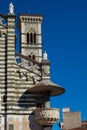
{"x": 46, "y": 116}
{"x": 48, "y": 113}
{"x": 46, "y": 70}
{"x": 24, "y": 75}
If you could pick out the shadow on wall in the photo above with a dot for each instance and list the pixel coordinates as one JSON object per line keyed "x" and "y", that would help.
{"x": 33, "y": 124}
{"x": 29, "y": 100}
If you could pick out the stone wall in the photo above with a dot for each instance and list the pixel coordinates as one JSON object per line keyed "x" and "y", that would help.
{"x": 71, "y": 120}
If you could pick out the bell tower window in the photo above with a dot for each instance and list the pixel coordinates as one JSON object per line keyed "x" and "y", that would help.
{"x": 34, "y": 38}
{"x": 31, "y": 37}
{"x": 27, "y": 37}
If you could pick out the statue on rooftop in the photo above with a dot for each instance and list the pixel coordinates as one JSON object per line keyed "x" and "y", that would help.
{"x": 11, "y": 8}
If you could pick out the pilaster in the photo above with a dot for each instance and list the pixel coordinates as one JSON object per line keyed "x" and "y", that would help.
{"x": 10, "y": 72}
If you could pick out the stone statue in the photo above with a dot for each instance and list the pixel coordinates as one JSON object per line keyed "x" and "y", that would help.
{"x": 11, "y": 8}
{"x": 45, "y": 56}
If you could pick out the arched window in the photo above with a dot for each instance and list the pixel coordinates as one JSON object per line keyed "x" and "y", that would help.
{"x": 34, "y": 38}
{"x": 31, "y": 57}
{"x": 31, "y": 37}
{"x": 27, "y": 37}
{"x": 29, "y": 63}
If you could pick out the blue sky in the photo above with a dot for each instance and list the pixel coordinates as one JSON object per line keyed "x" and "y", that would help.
{"x": 64, "y": 32}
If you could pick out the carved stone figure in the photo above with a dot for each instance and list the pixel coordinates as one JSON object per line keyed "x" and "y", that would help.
{"x": 11, "y": 8}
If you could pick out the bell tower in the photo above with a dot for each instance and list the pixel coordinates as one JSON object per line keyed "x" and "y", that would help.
{"x": 30, "y": 36}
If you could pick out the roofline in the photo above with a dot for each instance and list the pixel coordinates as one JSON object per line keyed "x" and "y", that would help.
{"x": 36, "y": 15}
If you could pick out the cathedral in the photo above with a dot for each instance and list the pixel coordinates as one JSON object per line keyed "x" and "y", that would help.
{"x": 25, "y": 85}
